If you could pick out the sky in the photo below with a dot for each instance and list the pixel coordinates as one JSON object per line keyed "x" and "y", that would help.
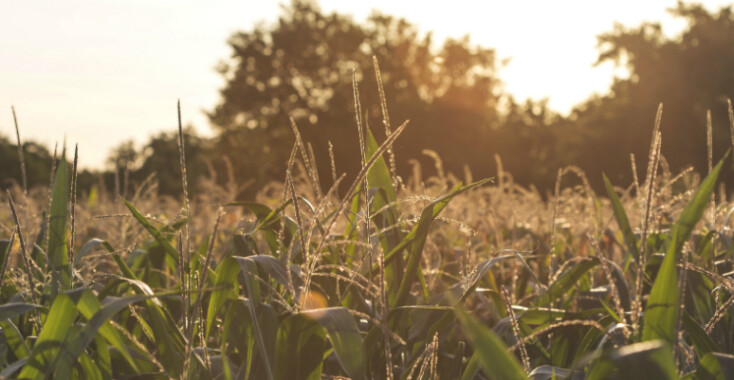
{"x": 98, "y": 73}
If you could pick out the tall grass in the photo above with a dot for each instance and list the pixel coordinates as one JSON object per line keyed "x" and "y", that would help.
{"x": 391, "y": 278}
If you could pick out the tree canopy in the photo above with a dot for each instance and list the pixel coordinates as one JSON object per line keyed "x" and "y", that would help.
{"x": 302, "y": 67}
{"x": 690, "y": 74}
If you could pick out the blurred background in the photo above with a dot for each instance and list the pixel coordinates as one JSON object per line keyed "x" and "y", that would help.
{"x": 541, "y": 85}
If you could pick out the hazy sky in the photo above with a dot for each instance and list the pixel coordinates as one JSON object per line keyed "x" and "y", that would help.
{"x": 100, "y": 72}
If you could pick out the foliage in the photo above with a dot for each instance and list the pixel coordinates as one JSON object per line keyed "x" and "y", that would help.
{"x": 427, "y": 278}
{"x": 157, "y": 159}
{"x": 374, "y": 284}
{"x": 301, "y": 67}
{"x": 688, "y": 73}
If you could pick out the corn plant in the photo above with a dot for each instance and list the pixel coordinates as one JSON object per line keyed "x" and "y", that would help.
{"x": 375, "y": 285}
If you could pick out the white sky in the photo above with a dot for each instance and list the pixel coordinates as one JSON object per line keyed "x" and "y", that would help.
{"x": 100, "y": 72}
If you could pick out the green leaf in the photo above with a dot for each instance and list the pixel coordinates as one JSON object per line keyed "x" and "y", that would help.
{"x": 252, "y": 287}
{"x": 38, "y": 255}
{"x": 547, "y": 372}
{"x": 88, "y": 305}
{"x": 479, "y": 272}
{"x": 384, "y": 212}
{"x": 274, "y": 268}
{"x": 416, "y": 239}
{"x": 701, "y": 341}
{"x": 640, "y": 361}
{"x": 11, "y": 369}
{"x": 492, "y": 354}
{"x": 101, "y": 356}
{"x": 352, "y": 233}
{"x": 86, "y": 368}
{"x": 88, "y": 247}
{"x": 52, "y": 335}
{"x": 661, "y": 313}
{"x": 5, "y": 249}
{"x": 168, "y": 338}
{"x": 472, "y": 367}
{"x": 621, "y": 216}
{"x": 226, "y": 276}
{"x": 379, "y": 175}
{"x": 345, "y": 339}
{"x": 57, "y": 248}
{"x": 235, "y": 332}
{"x": 265, "y": 216}
{"x": 716, "y": 365}
{"x": 567, "y": 280}
{"x": 299, "y": 349}
{"x": 11, "y": 309}
{"x": 157, "y": 235}
{"x": 74, "y": 347}
{"x": 14, "y": 340}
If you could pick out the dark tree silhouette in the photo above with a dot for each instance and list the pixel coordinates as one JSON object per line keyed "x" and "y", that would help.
{"x": 689, "y": 74}
{"x": 302, "y": 66}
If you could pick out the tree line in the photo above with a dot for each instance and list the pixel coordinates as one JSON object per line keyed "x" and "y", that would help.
{"x": 302, "y": 67}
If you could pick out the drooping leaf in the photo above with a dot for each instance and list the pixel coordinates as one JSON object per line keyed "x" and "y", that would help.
{"x": 547, "y": 372}
{"x": 639, "y": 361}
{"x": 157, "y": 235}
{"x": 344, "y": 337}
{"x": 299, "y": 349}
{"x": 88, "y": 247}
{"x": 11, "y": 309}
{"x": 567, "y": 280}
{"x": 11, "y": 369}
{"x": 479, "y": 272}
{"x": 492, "y": 354}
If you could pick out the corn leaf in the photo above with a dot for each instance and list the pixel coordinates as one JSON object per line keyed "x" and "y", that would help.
{"x": 57, "y": 248}
{"x": 661, "y": 313}
{"x": 52, "y": 335}
{"x": 345, "y": 339}
{"x": 98, "y": 322}
{"x": 492, "y": 354}
{"x": 639, "y": 361}
{"x": 416, "y": 239}
{"x": 716, "y": 365}
{"x": 622, "y": 221}
{"x": 567, "y": 280}
{"x": 299, "y": 349}
{"x": 226, "y": 276}
{"x": 12, "y": 309}
{"x": 157, "y": 235}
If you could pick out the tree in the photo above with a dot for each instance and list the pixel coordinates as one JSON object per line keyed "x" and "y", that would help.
{"x": 159, "y": 157}
{"x": 302, "y": 66}
{"x": 689, "y": 74}
{"x": 37, "y": 164}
